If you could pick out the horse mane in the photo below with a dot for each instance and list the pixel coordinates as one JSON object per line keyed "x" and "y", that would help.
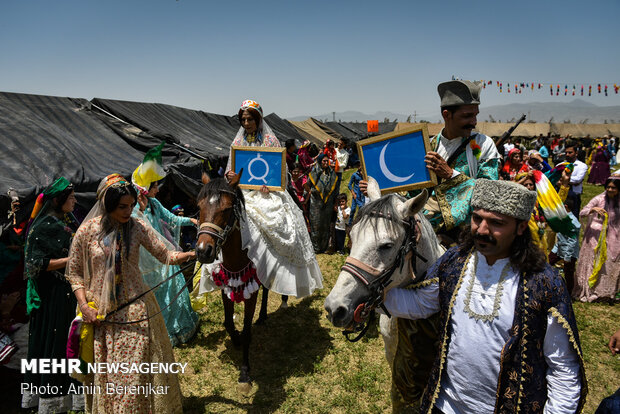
{"x": 216, "y": 187}
{"x": 427, "y": 234}
{"x": 386, "y": 206}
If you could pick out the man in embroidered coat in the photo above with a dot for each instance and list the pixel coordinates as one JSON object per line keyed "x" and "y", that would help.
{"x": 508, "y": 338}
{"x": 459, "y": 156}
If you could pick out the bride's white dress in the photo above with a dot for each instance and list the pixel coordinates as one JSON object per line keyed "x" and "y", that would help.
{"x": 274, "y": 232}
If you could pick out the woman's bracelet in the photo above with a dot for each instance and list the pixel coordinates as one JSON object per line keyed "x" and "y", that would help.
{"x": 83, "y": 305}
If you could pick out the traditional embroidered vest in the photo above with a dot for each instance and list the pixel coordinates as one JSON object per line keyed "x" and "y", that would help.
{"x": 522, "y": 385}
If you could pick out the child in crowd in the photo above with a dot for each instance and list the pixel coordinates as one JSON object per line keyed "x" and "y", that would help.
{"x": 341, "y": 225}
{"x": 357, "y": 197}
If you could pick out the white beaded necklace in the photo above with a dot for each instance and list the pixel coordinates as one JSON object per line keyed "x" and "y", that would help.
{"x": 499, "y": 291}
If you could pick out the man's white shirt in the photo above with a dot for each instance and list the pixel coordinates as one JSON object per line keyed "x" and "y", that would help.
{"x": 473, "y": 358}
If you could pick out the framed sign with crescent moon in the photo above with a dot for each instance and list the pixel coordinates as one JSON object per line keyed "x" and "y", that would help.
{"x": 396, "y": 160}
{"x": 261, "y": 166}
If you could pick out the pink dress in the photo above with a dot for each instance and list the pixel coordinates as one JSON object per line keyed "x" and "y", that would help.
{"x": 143, "y": 342}
{"x": 599, "y": 172}
{"x": 607, "y": 285}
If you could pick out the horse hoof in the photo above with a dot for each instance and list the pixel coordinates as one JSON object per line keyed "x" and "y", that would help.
{"x": 261, "y": 320}
{"x": 244, "y": 388}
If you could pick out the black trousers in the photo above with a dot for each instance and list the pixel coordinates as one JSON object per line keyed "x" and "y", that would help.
{"x": 576, "y": 202}
{"x": 340, "y": 236}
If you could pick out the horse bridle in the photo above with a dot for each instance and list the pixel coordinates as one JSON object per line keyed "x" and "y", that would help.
{"x": 218, "y": 233}
{"x": 376, "y": 280}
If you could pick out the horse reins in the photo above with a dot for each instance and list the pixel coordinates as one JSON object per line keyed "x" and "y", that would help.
{"x": 124, "y": 305}
{"x": 218, "y": 233}
{"x": 376, "y": 280}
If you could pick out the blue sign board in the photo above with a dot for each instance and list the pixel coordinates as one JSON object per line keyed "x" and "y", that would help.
{"x": 261, "y": 166}
{"x": 396, "y": 160}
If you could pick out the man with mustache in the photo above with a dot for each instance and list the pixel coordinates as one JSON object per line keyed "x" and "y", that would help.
{"x": 508, "y": 339}
{"x": 459, "y": 156}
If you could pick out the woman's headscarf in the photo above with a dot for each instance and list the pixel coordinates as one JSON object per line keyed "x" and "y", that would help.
{"x": 252, "y": 106}
{"x": 508, "y": 167}
{"x": 41, "y": 209}
{"x": 262, "y": 129}
{"x": 513, "y": 152}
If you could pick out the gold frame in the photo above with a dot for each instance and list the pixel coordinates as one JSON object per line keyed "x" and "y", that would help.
{"x": 427, "y": 147}
{"x": 282, "y": 150}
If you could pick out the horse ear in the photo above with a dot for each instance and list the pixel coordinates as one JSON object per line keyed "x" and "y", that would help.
{"x": 374, "y": 193}
{"x": 205, "y": 178}
{"x": 411, "y": 207}
{"x": 235, "y": 181}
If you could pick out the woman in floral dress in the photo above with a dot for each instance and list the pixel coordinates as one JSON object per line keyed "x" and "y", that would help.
{"x": 103, "y": 269}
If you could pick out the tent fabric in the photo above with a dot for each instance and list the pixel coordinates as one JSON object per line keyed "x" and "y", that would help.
{"x": 208, "y": 134}
{"x": 582, "y": 130}
{"x": 492, "y": 129}
{"x": 433, "y": 129}
{"x": 525, "y": 129}
{"x": 44, "y": 137}
{"x": 285, "y": 130}
{"x": 345, "y": 131}
{"x": 614, "y": 129}
{"x": 319, "y": 133}
{"x": 362, "y": 129}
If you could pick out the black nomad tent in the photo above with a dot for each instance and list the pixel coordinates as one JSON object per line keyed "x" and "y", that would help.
{"x": 44, "y": 137}
{"x": 207, "y": 134}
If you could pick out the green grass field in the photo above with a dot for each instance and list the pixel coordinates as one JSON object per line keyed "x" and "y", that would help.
{"x": 301, "y": 364}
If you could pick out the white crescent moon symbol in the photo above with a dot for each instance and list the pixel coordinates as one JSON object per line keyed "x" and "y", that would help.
{"x": 384, "y": 169}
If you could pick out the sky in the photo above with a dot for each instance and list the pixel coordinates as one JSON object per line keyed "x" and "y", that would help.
{"x": 306, "y": 57}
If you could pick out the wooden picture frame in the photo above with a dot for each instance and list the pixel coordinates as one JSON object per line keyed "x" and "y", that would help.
{"x": 269, "y": 157}
{"x": 407, "y": 169}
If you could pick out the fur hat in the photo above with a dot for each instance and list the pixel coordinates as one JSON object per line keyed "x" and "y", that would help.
{"x": 459, "y": 92}
{"x": 504, "y": 197}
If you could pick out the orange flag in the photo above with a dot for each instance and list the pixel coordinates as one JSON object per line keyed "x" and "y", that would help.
{"x": 373, "y": 126}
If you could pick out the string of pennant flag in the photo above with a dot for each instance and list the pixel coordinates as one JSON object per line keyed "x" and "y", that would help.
{"x": 554, "y": 89}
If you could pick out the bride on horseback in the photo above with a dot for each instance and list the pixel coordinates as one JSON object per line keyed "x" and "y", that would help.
{"x": 273, "y": 229}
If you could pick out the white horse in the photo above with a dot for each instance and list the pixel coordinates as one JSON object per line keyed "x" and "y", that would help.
{"x": 377, "y": 236}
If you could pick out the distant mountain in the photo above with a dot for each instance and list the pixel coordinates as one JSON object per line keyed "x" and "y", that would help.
{"x": 354, "y": 116}
{"x": 576, "y": 111}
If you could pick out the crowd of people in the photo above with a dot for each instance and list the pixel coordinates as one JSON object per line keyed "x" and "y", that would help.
{"x": 501, "y": 314}
{"x": 559, "y": 183}
{"x": 316, "y": 177}
{"x": 119, "y": 268}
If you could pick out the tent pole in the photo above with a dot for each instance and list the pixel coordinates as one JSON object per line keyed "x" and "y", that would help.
{"x": 109, "y": 114}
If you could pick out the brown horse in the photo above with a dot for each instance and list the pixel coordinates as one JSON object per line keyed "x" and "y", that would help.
{"x": 221, "y": 208}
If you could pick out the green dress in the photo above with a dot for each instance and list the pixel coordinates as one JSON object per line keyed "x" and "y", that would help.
{"x": 54, "y": 310}
{"x": 181, "y": 320}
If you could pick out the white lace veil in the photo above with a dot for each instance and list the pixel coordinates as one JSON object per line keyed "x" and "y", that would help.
{"x": 105, "y": 297}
